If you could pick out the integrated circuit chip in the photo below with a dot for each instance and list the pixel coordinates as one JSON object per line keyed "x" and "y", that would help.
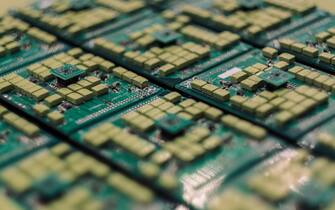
{"x": 172, "y": 125}
{"x": 67, "y": 74}
{"x": 276, "y": 77}
{"x": 165, "y": 37}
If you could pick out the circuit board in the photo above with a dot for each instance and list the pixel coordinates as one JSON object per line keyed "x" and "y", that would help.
{"x": 168, "y": 48}
{"x": 268, "y": 88}
{"x": 69, "y": 18}
{"x": 19, "y": 136}
{"x": 292, "y": 179}
{"x": 21, "y": 43}
{"x": 313, "y": 44}
{"x": 74, "y": 180}
{"x": 256, "y": 21}
{"x": 74, "y": 88}
{"x": 170, "y": 139}
{"x": 167, "y": 105}
{"x": 321, "y": 139}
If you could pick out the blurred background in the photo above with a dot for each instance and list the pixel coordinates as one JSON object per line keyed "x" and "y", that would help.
{"x": 326, "y": 4}
{"x": 5, "y": 4}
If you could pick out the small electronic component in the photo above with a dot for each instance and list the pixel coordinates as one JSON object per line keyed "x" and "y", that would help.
{"x": 276, "y": 77}
{"x": 166, "y": 37}
{"x": 172, "y": 125}
{"x": 67, "y": 74}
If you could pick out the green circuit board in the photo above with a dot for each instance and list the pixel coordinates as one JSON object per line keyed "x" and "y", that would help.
{"x": 256, "y": 21}
{"x": 313, "y": 44}
{"x": 19, "y": 136}
{"x": 292, "y": 179}
{"x": 321, "y": 139}
{"x": 69, "y": 18}
{"x": 180, "y": 144}
{"x": 60, "y": 177}
{"x": 168, "y": 48}
{"x": 167, "y": 105}
{"x": 73, "y": 88}
{"x": 21, "y": 43}
{"x": 270, "y": 89}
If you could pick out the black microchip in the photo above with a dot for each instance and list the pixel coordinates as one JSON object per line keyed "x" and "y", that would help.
{"x": 166, "y": 37}
{"x": 50, "y": 188}
{"x": 67, "y": 74}
{"x": 172, "y": 125}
